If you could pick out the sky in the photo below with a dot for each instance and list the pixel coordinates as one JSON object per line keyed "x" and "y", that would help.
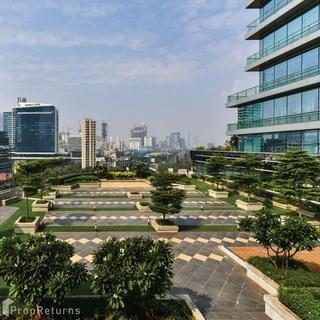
{"x": 167, "y": 63}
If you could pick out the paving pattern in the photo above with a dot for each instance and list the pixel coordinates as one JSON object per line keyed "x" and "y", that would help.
{"x": 217, "y": 285}
{"x": 103, "y": 218}
{"x": 6, "y": 212}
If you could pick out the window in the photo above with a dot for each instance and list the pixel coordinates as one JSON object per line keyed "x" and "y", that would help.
{"x": 294, "y": 139}
{"x": 294, "y": 26}
{"x": 294, "y": 65}
{"x": 280, "y": 142}
{"x": 310, "y": 17}
{"x": 267, "y": 139}
{"x": 294, "y": 104}
{"x": 280, "y": 107}
{"x": 310, "y": 141}
{"x": 268, "y": 109}
{"x": 268, "y": 75}
{"x": 310, "y": 101}
{"x": 280, "y": 70}
{"x": 310, "y": 59}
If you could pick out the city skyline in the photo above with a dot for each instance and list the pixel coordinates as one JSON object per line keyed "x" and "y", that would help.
{"x": 162, "y": 68}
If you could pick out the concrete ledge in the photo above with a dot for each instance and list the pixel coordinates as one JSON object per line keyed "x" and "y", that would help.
{"x": 134, "y": 196}
{"x": 51, "y": 195}
{"x": 249, "y": 206}
{"x": 233, "y": 256}
{"x": 66, "y": 188}
{"x": 27, "y": 227}
{"x": 197, "y": 315}
{"x": 276, "y": 310}
{"x": 5, "y": 202}
{"x": 41, "y": 207}
{"x": 185, "y": 187}
{"x": 164, "y": 229}
{"x": 142, "y": 208}
{"x": 218, "y": 194}
{"x": 85, "y": 185}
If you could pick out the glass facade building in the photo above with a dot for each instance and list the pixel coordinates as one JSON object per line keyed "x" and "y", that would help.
{"x": 283, "y": 111}
{"x": 36, "y": 128}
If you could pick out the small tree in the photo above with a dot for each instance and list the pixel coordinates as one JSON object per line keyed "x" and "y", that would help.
{"x": 39, "y": 267}
{"x": 165, "y": 199}
{"x": 295, "y": 176}
{"x": 284, "y": 240}
{"x": 132, "y": 272}
{"x": 215, "y": 167}
{"x": 27, "y": 191}
{"x": 142, "y": 170}
{"x": 248, "y": 178}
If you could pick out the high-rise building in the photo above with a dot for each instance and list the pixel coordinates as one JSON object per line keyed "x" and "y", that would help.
{"x": 139, "y": 132}
{"x": 9, "y": 127}
{"x": 135, "y": 144}
{"x": 175, "y": 142}
{"x": 150, "y": 142}
{"x": 283, "y": 110}
{"x": 34, "y": 127}
{"x": 104, "y": 131}
{"x": 88, "y": 143}
{"x": 74, "y": 146}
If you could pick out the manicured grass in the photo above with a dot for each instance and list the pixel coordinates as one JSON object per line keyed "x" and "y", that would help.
{"x": 209, "y": 228}
{"x": 100, "y": 229}
{"x": 205, "y": 208}
{"x": 6, "y": 228}
{"x": 298, "y": 274}
{"x": 72, "y": 196}
{"x": 201, "y": 185}
{"x": 97, "y": 209}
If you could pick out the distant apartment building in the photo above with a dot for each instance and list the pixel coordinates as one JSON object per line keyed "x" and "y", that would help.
{"x": 33, "y": 128}
{"x": 283, "y": 110}
{"x": 135, "y": 144}
{"x": 138, "y": 132}
{"x": 88, "y": 143}
{"x": 104, "y": 131}
{"x": 150, "y": 142}
{"x": 175, "y": 142}
{"x": 74, "y": 146}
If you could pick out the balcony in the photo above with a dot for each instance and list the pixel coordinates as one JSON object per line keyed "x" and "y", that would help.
{"x": 283, "y": 43}
{"x": 297, "y": 118}
{"x": 267, "y": 14}
{"x": 298, "y": 76}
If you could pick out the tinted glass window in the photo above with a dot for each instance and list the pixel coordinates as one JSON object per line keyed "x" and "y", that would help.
{"x": 294, "y": 104}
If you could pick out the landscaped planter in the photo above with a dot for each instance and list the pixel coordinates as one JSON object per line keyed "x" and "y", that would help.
{"x": 249, "y": 206}
{"x": 134, "y": 196}
{"x": 6, "y": 202}
{"x": 53, "y": 195}
{"x": 89, "y": 185}
{"x": 41, "y": 207}
{"x": 218, "y": 194}
{"x": 66, "y": 187}
{"x": 315, "y": 223}
{"x": 185, "y": 187}
{"x": 27, "y": 227}
{"x": 164, "y": 228}
{"x": 142, "y": 207}
{"x": 276, "y": 310}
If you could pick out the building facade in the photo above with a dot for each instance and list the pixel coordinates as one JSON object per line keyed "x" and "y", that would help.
{"x": 36, "y": 128}
{"x": 283, "y": 110}
{"x": 88, "y": 142}
{"x": 104, "y": 131}
{"x": 74, "y": 146}
{"x": 138, "y": 132}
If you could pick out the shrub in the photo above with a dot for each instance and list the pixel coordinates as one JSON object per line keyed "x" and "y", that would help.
{"x": 305, "y": 302}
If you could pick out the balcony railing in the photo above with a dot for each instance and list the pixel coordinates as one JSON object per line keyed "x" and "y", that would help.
{"x": 313, "y": 27}
{"x": 267, "y": 14}
{"x": 298, "y": 76}
{"x": 297, "y": 118}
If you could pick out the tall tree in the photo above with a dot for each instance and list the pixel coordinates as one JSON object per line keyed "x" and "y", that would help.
{"x": 296, "y": 176}
{"x": 232, "y": 143}
{"x": 165, "y": 199}
{"x": 39, "y": 267}
{"x": 248, "y": 178}
{"x": 215, "y": 168}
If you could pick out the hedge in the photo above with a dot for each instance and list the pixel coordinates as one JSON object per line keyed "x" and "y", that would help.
{"x": 305, "y": 302}
{"x": 81, "y": 179}
{"x": 65, "y": 179}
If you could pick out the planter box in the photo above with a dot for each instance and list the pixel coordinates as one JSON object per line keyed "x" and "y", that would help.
{"x": 85, "y": 185}
{"x": 27, "y": 227}
{"x": 185, "y": 187}
{"x": 51, "y": 196}
{"x": 134, "y": 196}
{"x": 218, "y": 194}
{"x": 249, "y": 206}
{"x": 276, "y": 310}
{"x": 164, "y": 229}
{"x": 142, "y": 208}
{"x": 41, "y": 207}
{"x": 6, "y": 202}
{"x": 315, "y": 223}
{"x": 66, "y": 188}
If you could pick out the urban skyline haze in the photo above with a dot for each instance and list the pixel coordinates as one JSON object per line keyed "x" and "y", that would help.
{"x": 169, "y": 64}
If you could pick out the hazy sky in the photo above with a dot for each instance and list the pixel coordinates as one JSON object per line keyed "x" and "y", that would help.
{"x": 168, "y": 63}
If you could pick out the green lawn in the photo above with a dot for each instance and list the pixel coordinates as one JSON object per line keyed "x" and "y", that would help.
{"x": 72, "y": 196}
{"x": 97, "y": 209}
{"x": 6, "y": 228}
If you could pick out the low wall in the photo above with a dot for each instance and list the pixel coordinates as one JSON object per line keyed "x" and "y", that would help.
{"x": 276, "y": 310}
{"x": 6, "y": 202}
{"x": 67, "y": 187}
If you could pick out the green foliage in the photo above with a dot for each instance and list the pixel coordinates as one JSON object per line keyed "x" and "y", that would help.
{"x": 296, "y": 176}
{"x": 81, "y": 178}
{"x": 142, "y": 170}
{"x": 164, "y": 181}
{"x": 39, "y": 267}
{"x": 305, "y": 302}
{"x": 120, "y": 175}
{"x": 232, "y": 144}
{"x": 248, "y": 178}
{"x": 131, "y": 272}
{"x": 297, "y": 275}
{"x": 283, "y": 239}
{"x": 246, "y": 224}
{"x": 215, "y": 168}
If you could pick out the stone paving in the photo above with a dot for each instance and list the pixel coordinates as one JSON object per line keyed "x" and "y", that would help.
{"x": 134, "y": 217}
{"x": 6, "y": 212}
{"x": 217, "y": 285}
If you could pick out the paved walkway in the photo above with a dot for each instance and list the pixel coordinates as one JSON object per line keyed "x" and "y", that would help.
{"x": 103, "y": 218}
{"x": 6, "y": 212}
{"x": 217, "y": 285}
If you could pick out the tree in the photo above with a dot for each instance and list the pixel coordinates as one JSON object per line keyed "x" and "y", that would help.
{"x": 27, "y": 191}
{"x": 39, "y": 267}
{"x": 232, "y": 143}
{"x": 132, "y": 272}
{"x": 142, "y": 170}
{"x": 248, "y": 178}
{"x": 215, "y": 167}
{"x": 285, "y": 239}
{"x": 296, "y": 175}
{"x": 165, "y": 199}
